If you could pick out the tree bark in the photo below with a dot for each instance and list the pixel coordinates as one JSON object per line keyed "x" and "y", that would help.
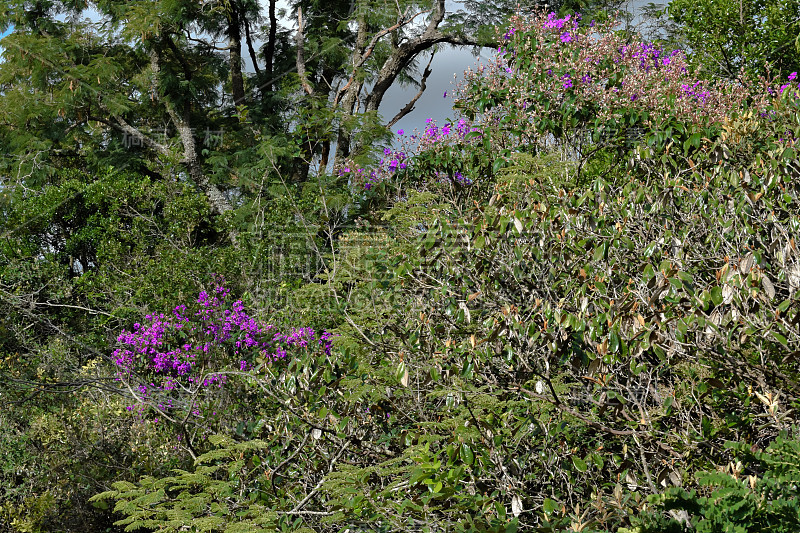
{"x": 349, "y": 93}
{"x": 235, "y": 58}
{"x": 300, "y": 61}
{"x": 269, "y": 51}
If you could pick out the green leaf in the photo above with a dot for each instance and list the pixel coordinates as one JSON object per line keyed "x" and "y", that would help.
{"x": 780, "y": 338}
{"x": 716, "y": 295}
{"x": 613, "y": 342}
{"x": 579, "y": 463}
{"x": 466, "y": 454}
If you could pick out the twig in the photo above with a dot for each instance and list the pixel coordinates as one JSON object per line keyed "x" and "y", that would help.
{"x": 283, "y": 463}
{"x": 409, "y": 107}
{"x": 321, "y": 481}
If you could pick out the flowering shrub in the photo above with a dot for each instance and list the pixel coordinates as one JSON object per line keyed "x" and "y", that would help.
{"x": 168, "y": 361}
{"x": 451, "y": 143}
{"x": 583, "y": 85}
{"x": 563, "y": 79}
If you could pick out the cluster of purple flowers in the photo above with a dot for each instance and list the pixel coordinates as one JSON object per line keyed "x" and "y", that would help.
{"x": 392, "y": 161}
{"x": 695, "y": 92}
{"x": 396, "y": 160}
{"x": 437, "y": 134}
{"x": 361, "y": 175}
{"x": 792, "y": 77}
{"x": 456, "y": 177}
{"x": 554, "y": 23}
{"x": 650, "y": 55}
{"x": 191, "y": 349}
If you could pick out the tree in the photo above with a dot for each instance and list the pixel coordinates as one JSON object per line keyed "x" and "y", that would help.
{"x": 139, "y": 157}
{"x": 735, "y": 38}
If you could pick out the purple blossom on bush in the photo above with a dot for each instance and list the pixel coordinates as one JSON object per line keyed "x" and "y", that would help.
{"x": 193, "y": 349}
{"x": 458, "y": 177}
{"x": 554, "y": 23}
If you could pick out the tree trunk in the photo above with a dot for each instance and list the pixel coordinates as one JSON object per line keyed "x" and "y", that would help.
{"x": 399, "y": 59}
{"x": 219, "y": 203}
{"x": 250, "y": 48}
{"x": 269, "y": 51}
{"x": 235, "y": 46}
{"x": 350, "y": 94}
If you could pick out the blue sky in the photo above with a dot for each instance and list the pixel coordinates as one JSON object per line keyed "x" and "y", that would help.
{"x": 9, "y": 30}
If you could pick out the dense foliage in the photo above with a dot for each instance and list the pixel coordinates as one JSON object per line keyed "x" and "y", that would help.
{"x": 574, "y": 307}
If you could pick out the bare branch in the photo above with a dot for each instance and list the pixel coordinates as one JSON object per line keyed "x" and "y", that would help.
{"x": 409, "y": 107}
{"x": 120, "y": 124}
{"x": 368, "y": 51}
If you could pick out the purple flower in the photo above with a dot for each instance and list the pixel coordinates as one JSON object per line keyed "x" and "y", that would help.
{"x": 400, "y": 132}
{"x": 153, "y": 350}
{"x": 554, "y": 23}
{"x": 445, "y": 95}
{"x": 793, "y": 76}
{"x": 566, "y": 37}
